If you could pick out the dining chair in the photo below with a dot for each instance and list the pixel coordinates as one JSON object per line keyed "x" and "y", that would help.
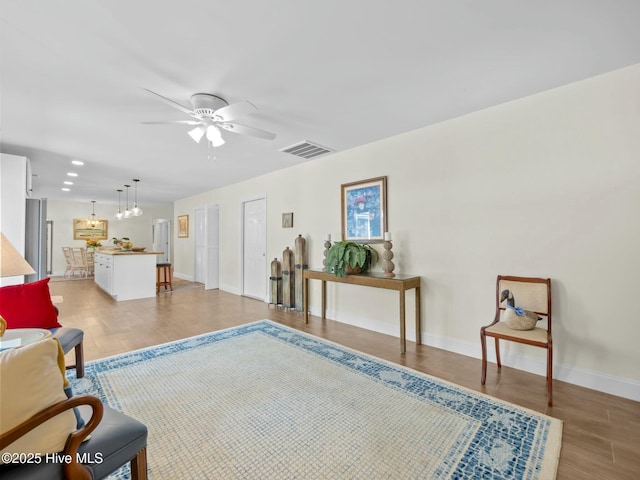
{"x": 529, "y": 293}
{"x": 79, "y": 262}
{"x": 69, "y": 259}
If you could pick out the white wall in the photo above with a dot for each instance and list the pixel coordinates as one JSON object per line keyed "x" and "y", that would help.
{"x": 62, "y": 213}
{"x": 13, "y": 194}
{"x": 543, "y": 186}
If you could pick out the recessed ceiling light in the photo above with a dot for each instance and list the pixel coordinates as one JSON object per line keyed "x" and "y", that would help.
{"x": 77, "y": 162}
{"x": 68, "y": 182}
{"x": 65, "y": 189}
{"x": 71, "y": 174}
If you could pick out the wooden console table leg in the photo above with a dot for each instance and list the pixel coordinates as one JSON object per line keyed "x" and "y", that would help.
{"x": 324, "y": 300}
{"x": 418, "y": 318}
{"x": 305, "y": 301}
{"x": 403, "y": 326}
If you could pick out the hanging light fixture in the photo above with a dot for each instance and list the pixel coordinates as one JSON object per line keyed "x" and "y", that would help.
{"x": 214, "y": 136}
{"x": 137, "y": 211}
{"x": 92, "y": 221}
{"x": 128, "y": 213}
{"x": 119, "y": 215}
{"x": 197, "y": 134}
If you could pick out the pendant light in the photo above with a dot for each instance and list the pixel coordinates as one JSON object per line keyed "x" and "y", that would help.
{"x": 128, "y": 213}
{"x": 137, "y": 211}
{"x": 92, "y": 222}
{"x": 119, "y": 215}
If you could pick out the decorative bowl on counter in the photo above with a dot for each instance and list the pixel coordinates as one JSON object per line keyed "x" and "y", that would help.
{"x": 138, "y": 249}
{"x": 126, "y": 245}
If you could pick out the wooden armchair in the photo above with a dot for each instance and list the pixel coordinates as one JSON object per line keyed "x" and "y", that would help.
{"x": 115, "y": 440}
{"x": 532, "y": 294}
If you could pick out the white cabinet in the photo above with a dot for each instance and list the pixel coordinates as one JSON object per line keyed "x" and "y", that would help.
{"x": 104, "y": 272}
{"x": 126, "y": 276}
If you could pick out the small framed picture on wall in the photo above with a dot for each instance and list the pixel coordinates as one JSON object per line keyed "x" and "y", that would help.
{"x": 183, "y": 226}
{"x": 287, "y": 220}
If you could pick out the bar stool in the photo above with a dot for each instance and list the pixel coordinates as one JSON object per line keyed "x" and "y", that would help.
{"x": 163, "y": 272}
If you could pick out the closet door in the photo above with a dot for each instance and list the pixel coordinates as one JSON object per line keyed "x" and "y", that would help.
{"x": 254, "y": 249}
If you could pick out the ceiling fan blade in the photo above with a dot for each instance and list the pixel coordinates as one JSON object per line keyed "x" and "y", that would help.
{"x": 245, "y": 130}
{"x": 182, "y": 122}
{"x": 174, "y": 104}
{"x": 233, "y": 111}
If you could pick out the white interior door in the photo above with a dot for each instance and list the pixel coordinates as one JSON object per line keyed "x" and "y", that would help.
{"x": 254, "y": 249}
{"x": 207, "y": 246}
{"x": 200, "y": 248}
{"x": 161, "y": 239}
{"x": 213, "y": 247}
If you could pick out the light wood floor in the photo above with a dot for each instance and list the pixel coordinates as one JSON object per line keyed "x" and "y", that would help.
{"x": 601, "y": 435}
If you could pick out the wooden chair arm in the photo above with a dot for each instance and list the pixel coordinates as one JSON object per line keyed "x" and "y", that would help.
{"x": 73, "y": 469}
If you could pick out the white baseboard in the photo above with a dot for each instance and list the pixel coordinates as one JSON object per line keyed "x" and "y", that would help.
{"x": 619, "y": 386}
{"x": 230, "y": 289}
{"x": 602, "y": 382}
{"x": 183, "y": 276}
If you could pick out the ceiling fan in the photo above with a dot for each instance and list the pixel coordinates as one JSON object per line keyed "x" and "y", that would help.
{"x": 210, "y": 114}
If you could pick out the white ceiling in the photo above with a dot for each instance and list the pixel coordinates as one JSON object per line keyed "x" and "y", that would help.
{"x": 341, "y": 73}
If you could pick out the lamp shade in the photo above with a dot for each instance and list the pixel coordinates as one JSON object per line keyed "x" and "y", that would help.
{"x": 11, "y": 262}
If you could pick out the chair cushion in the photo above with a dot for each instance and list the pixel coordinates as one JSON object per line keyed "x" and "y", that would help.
{"x": 501, "y": 328}
{"x": 32, "y": 380}
{"x": 28, "y": 305}
{"x": 68, "y": 337}
{"x": 32, "y": 471}
{"x": 116, "y": 439}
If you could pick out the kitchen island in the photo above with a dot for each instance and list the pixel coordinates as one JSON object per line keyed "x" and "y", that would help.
{"x": 126, "y": 275}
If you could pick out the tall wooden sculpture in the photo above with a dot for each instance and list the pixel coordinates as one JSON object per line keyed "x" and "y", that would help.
{"x": 276, "y": 283}
{"x": 301, "y": 265}
{"x": 288, "y": 285}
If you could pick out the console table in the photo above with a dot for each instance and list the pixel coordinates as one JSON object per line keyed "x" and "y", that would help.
{"x": 401, "y": 283}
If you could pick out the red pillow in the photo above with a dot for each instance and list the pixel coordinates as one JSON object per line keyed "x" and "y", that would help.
{"x": 28, "y": 305}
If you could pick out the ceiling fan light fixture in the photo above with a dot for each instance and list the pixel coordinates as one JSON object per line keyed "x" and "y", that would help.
{"x": 197, "y": 134}
{"x": 214, "y": 136}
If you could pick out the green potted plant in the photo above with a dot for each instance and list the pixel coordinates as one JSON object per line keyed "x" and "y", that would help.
{"x": 118, "y": 242}
{"x": 344, "y": 258}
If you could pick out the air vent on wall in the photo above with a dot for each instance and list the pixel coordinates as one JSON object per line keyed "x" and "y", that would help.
{"x": 306, "y": 149}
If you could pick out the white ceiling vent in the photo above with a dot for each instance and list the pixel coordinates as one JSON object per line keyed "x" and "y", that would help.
{"x": 306, "y": 149}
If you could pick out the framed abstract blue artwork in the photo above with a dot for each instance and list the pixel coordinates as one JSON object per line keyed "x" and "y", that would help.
{"x": 364, "y": 210}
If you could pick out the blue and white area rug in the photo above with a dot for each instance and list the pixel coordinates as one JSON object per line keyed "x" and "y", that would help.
{"x": 263, "y": 401}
